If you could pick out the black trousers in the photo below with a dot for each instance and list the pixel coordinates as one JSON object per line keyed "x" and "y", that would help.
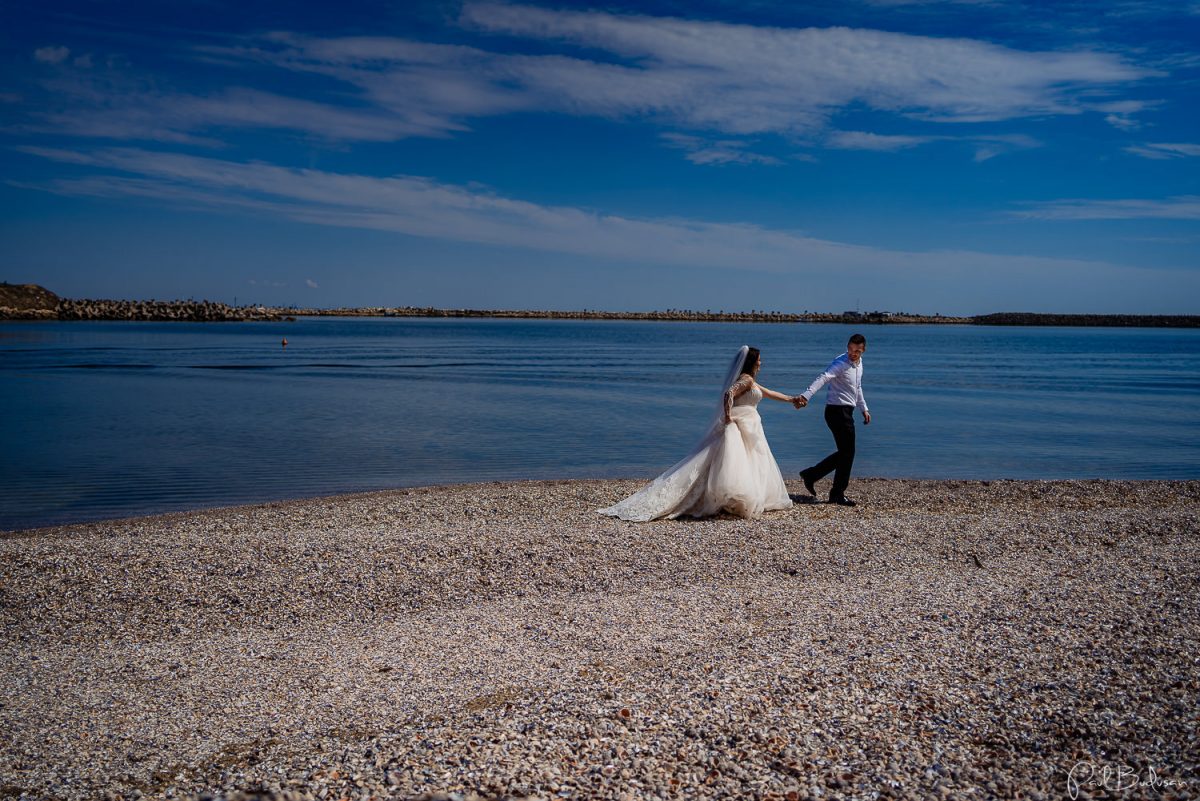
{"x": 840, "y": 420}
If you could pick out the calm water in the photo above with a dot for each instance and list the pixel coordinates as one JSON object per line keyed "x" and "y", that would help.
{"x": 115, "y": 419}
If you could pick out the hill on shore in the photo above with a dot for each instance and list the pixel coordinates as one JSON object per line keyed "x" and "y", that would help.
{"x": 27, "y": 297}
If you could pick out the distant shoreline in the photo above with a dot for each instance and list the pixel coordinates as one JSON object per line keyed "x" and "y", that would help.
{"x": 32, "y": 302}
{"x": 847, "y": 318}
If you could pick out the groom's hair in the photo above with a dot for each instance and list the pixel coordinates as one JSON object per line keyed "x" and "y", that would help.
{"x": 857, "y": 339}
{"x": 751, "y": 358}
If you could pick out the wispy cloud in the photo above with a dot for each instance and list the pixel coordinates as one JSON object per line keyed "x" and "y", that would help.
{"x": 104, "y": 106}
{"x": 52, "y": 55}
{"x": 723, "y": 151}
{"x": 1183, "y": 207}
{"x": 697, "y": 78}
{"x": 986, "y": 145}
{"x": 1163, "y": 240}
{"x": 310, "y": 283}
{"x": 862, "y": 140}
{"x": 931, "y": 2}
{"x": 422, "y": 207}
{"x": 1119, "y": 113}
{"x": 1165, "y": 150}
{"x": 744, "y": 79}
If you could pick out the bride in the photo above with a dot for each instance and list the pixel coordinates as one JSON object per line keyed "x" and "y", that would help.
{"x": 731, "y": 470}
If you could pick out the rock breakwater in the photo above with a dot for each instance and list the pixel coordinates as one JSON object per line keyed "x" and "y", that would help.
{"x": 1091, "y": 320}
{"x": 183, "y": 310}
{"x": 33, "y": 302}
{"x": 679, "y": 315}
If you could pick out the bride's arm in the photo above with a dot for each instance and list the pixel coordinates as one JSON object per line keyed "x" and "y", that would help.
{"x": 739, "y": 387}
{"x": 773, "y": 395}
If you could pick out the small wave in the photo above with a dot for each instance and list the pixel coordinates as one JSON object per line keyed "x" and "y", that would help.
{"x": 105, "y": 366}
{"x": 447, "y": 364}
{"x": 340, "y": 366}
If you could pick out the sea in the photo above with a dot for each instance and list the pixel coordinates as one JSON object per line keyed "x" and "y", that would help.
{"x": 101, "y": 420}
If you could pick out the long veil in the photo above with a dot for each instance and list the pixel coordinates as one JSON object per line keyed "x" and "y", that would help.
{"x": 731, "y": 375}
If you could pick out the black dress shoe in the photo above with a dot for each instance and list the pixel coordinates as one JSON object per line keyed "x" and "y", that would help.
{"x": 843, "y": 501}
{"x": 808, "y": 484}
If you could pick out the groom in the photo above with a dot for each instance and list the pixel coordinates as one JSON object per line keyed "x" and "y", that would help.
{"x": 844, "y": 376}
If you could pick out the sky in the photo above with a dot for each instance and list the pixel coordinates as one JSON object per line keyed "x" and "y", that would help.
{"x": 924, "y": 156}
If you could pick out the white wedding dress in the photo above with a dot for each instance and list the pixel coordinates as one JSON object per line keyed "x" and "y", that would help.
{"x": 731, "y": 469}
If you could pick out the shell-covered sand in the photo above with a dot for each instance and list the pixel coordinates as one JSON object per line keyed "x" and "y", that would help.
{"x": 943, "y": 639}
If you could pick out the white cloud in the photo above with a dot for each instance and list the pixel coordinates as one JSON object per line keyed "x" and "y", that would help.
{"x": 1164, "y": 150}
{"x": 1183, "y": 207}
{"x": 421, "y": 207}
{"x": 862, "y": 140}
{"x": 744, "y": 79}
{"x": 695, "y": 77}
{"x": 986, "y": 145}
{"x": 1122, "y": 122}
{"x": 1119, "y": 113}
{"x": 311, "y": 283}
{"x": 724, "y": 151}
{"x": 51, "y": 55}
{"x": 189, "y": 119}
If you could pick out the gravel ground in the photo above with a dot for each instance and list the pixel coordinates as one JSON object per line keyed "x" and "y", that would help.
{"x": 941, "y": 640}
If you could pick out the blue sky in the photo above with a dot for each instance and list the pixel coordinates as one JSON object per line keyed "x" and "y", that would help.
{"x": 948, "y": 156}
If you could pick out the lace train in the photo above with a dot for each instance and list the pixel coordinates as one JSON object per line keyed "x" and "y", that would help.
{"x": 731, "y": 469}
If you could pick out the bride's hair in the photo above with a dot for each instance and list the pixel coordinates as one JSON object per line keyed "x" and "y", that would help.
{"x": 751, "y": 360}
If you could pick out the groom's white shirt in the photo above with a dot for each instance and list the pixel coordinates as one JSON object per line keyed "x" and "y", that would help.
{"x": 845, "y": 383}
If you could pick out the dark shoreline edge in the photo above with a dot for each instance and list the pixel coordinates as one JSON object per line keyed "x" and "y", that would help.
{"x": 102, "y": 526}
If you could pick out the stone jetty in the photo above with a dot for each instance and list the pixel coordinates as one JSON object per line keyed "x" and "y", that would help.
{"x": 669, "y": 315}
{"x": 33, "y": 302}
{"x": 1105, "y": 320}
{"x": 183, "y": 310}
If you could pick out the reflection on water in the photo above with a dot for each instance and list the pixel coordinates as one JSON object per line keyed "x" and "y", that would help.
{"x": 114, "y": 419}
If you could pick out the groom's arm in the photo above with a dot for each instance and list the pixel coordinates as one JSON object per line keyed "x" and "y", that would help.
{"x": 831, "y": 372}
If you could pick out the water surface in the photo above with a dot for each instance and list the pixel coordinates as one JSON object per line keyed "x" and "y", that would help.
{"x": 106, "y": 419}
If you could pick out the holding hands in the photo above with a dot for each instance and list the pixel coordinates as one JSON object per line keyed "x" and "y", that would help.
{"x": 799, "y": 401}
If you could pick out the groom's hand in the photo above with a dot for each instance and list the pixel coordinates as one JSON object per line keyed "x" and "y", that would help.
{"x": 866, "y": 418}
{"x": 799, "y": 401}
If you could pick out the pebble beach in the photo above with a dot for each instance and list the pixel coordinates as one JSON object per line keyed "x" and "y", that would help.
{"x": 944, "y": 639}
